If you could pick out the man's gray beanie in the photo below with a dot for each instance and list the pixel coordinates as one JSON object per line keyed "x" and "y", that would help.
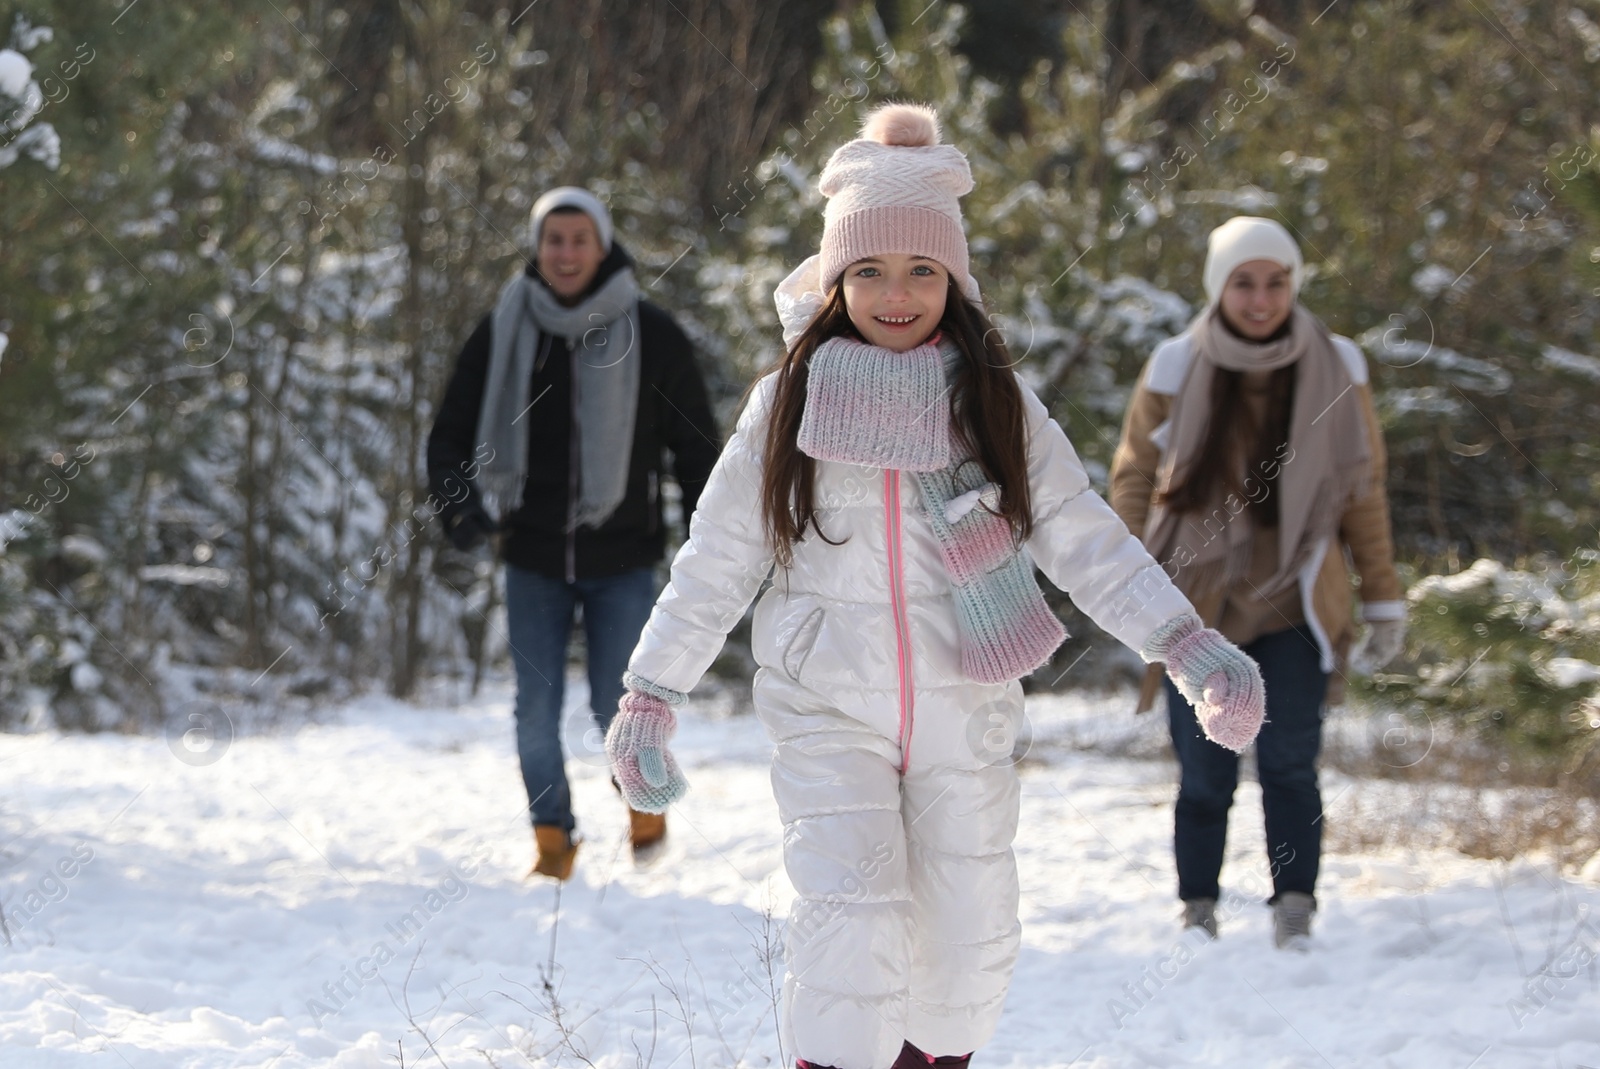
{"x": 573, "y": 197}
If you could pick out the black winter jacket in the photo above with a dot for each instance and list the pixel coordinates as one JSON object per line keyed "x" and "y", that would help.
{"x": 673, "y": 416}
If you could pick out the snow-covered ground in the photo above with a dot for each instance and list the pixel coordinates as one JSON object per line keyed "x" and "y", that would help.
{"x": 351, "y": 894}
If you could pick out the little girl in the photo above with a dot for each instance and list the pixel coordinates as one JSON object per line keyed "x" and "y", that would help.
{"x": 904, "y": 482}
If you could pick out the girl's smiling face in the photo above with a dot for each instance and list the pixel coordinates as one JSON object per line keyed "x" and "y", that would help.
{"x": 895, "y": 299}
{"x": 1258, "y": 298}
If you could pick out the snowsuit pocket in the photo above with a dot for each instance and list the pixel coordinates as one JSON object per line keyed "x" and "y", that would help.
{"x": 800, "y": 646}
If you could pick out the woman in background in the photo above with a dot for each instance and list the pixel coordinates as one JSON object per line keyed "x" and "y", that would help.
{"x": 1251, "y": 463}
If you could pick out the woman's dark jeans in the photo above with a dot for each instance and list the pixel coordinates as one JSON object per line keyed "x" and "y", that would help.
{"x": 1286, "y": 759}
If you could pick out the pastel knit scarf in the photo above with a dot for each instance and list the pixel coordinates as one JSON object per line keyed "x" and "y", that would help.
{"x": 1328, "y": 465}
{"x": 877, "y": 408}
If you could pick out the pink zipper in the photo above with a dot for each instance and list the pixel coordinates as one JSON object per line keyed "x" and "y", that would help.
{"x": 902, "y": 623}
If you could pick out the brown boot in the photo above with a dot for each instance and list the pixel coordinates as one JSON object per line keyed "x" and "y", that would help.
{"x": 557, "y": 850}
{"x": 647, "y": 832}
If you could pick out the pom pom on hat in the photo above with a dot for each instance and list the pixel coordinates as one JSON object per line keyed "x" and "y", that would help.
{"x": 903, "y": 125}
{"x": 895, "y": 189}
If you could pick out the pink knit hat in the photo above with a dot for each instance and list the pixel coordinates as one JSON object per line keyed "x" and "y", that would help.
{"x": 895, "y": 189}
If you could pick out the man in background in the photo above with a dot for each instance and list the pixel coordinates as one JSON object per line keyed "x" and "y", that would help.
{"x": 555, "y": 423}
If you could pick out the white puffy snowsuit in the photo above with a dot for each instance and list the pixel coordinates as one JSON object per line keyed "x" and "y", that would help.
{"x": 892, "y": 771}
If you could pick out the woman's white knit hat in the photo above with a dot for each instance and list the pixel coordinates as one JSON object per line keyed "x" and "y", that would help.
{"x": 895, "y": 189}
{"x": 573, "y": 197}
{"x": 1242, "y": 239}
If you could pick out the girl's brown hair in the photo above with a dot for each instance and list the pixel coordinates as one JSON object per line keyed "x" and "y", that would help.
{"x": 1235, "y": 447}
{"x": 986, "y": 411}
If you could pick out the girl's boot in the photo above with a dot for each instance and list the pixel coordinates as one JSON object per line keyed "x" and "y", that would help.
{"x": 912, "y": 1058}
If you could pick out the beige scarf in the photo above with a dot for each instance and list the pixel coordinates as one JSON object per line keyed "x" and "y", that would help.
{"x": 1327, "y": 463}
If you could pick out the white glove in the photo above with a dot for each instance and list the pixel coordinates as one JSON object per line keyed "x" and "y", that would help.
{"x": 1383, "y": 641}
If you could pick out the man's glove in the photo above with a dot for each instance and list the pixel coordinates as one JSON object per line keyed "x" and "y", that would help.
{"x": 637, "y": 746}
{"x": 1222, "y": 684}
{"x": 469, "y": 528}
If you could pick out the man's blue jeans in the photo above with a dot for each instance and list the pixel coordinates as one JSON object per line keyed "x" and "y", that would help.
{"x": 1286, "y": 765}
{"x": 539, "y": 611}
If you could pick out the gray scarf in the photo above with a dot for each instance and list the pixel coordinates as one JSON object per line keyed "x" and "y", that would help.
{"x": 605, "y": 375}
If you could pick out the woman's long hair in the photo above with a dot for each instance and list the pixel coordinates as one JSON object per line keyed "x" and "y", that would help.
{"x": 986, "y": 410}
{"x": 1236, "y": 447}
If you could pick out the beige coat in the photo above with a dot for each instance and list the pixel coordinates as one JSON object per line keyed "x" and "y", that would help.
{"x": 1325, "y": 584}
